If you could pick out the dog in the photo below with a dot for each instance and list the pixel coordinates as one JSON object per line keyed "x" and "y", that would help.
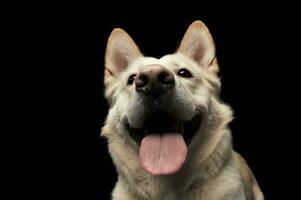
{"x": 167, "y": 129}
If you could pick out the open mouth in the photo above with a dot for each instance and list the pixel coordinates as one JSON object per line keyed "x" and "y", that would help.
{"x": 163, "y": 142}
{"x": 162, "y": 123}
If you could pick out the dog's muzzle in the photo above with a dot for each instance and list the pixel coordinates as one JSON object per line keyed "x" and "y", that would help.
{"x": 158, "y": 125}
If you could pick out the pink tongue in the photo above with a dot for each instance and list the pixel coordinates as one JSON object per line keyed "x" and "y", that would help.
{"x": 163, "y": 154}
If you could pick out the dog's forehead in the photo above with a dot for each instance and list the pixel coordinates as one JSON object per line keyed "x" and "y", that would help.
{"x": 170, "y": 60}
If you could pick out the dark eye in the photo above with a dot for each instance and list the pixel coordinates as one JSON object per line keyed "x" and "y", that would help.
{"x": 184, "y": 73}
{"x": 131, "y": 79}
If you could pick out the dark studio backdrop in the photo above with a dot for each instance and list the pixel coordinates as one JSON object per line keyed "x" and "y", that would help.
{"x": 251, "y": 52}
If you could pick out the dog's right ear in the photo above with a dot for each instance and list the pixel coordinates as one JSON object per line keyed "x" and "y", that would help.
{"x": 120, "y": 52}
{"x": 198, "y": 45}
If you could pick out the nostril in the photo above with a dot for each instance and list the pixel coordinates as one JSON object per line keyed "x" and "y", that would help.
{"x": 166, "y": 77}
{"x": 141, "y": 80}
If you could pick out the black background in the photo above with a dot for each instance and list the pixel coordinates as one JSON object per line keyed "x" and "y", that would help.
{"x": 254, "y": 49}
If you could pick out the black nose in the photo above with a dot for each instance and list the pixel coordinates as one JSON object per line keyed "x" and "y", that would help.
{"x": 154, "y": 79}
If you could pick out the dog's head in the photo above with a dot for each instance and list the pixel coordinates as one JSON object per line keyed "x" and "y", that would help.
{"x": 160, "y": 103}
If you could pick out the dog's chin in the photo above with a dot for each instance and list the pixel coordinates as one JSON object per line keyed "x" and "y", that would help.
{"x": 163, "y": 123}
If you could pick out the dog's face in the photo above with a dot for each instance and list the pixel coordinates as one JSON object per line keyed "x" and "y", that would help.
{"x": 159, "y": 103}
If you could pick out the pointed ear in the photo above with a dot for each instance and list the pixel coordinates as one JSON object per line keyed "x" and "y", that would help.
{"x": 121, "y": 51}
{"x": 198, "y": 45}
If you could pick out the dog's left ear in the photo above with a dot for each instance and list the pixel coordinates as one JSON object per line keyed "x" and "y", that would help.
{"x": 198, "y": 45}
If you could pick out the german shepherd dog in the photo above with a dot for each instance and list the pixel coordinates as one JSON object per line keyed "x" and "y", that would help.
{"x": 167, "y": 128}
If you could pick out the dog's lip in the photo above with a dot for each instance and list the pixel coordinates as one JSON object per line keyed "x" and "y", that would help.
{"x": 186, "y": 128}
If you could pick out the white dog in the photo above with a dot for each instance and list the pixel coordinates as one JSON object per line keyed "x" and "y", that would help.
{"x": 167, "y": 129}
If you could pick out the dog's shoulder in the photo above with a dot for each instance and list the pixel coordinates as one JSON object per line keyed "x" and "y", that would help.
{"x": 251, "y": 188}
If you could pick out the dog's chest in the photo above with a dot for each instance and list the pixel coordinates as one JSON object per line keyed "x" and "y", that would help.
{"x": 166, "y": 190}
